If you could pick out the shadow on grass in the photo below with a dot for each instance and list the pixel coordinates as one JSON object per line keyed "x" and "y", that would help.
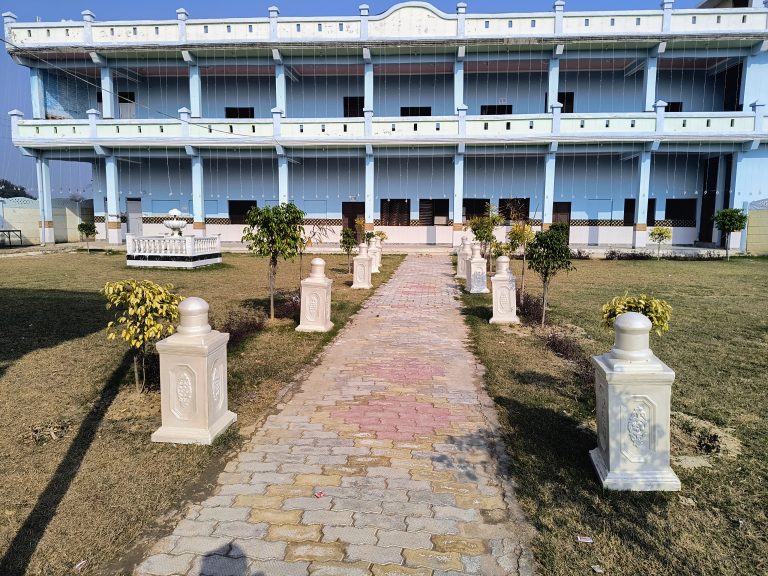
{"x": 34, "y": 319}
{"x": 19, "y": 553}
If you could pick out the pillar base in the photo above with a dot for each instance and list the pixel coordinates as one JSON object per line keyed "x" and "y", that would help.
{"x": 639, "y": 236}
{"x": 195, "y": 436}
{"x": 198, "y": 228}
{"x": 458, "y": 227}
{"x": 47, "y": 235}
{"x": 661, "y": 479}
{"x": 114, "y": 233}
{"x": 369, "y": 226}
{"x": 545, "y": 227}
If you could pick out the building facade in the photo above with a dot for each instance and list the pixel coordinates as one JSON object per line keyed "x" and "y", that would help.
{"x": 413, "y": 119}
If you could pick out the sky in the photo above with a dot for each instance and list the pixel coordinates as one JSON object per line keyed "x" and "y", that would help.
{"x": 68, "y": 178}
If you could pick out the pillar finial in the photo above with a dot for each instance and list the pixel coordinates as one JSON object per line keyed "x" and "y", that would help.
{"x": 461, "y": 8}
{"x": 88, "y": 16}
{"x": 182, "y": 14}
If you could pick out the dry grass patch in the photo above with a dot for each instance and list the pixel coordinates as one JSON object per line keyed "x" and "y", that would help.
{"x": 717, "y": 344}
{"x": 80, "y": 478}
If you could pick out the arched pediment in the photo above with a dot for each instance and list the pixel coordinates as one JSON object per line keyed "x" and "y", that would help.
{"x": 412, "y": 20}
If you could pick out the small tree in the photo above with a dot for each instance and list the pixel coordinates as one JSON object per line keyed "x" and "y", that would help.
{"x": 145, "y": 313}
{"x": 314, "y": 235}
{"x": 548, "y": 253}
{"x": 483, "y": 226}
{"x": 348, "y": 242}
{"x": 87, "y": 230}
{"x": 275, "y": 232}
{"x": 659, "y": 234}
{"x": 519, "y": 236}
{"x": 360, "y": 229}
{"x": 730, "y": 220}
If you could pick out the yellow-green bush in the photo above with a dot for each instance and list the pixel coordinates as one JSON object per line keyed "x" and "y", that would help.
{"x": 658, "y": 311}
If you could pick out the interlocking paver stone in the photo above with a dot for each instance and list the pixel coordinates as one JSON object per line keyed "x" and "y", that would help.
{"x": 395, "y": 428}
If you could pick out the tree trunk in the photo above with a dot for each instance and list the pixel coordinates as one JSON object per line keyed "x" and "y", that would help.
{"x": 301, "y": 267}
{"x": 136, "y": 371}
{"x": 727, "y": 247}
{"x": 522, "y": 280}
{"x": 658, "y": 251}
{"x": 349, "y": 263}
{"x": 272, "y": 273}
{"x": 544, "y": 302}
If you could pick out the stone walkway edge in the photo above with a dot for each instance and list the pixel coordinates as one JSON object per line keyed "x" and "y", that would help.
{"x": 384, "y": 462}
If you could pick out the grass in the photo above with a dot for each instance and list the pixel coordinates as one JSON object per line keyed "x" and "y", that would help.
{"x": 717, "y": 344}
{"x": 80, "y": 479}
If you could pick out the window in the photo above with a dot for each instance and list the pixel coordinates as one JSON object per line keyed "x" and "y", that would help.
{"x": 495, "y": 109}
{"x": 629, "y": 211}
{"x": 650, "y": 219}
{"x": 235, "y": 112}
{"x": 675, "y": 107}
{"x": 126, "y": 97}
{"x": 433, "y": 212}
{"x": 415, "y": 111}
{"x": 474, "y": 207}
{"x": 238, "y": 210}
{"x": 353, "y": 106}
{"x": 396, "y": 212}
{"x": 515, "y": 209}
{"x": 681, "y": 210}
{"x": 741, "y": 3}
{"x": 566, "y": 99}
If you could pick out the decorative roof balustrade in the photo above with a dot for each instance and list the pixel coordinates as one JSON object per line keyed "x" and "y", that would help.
{"x": 416, "y": 21}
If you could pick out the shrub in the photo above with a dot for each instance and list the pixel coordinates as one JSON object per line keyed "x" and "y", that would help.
{"x": 580, "y": 254}
{"x": 145, "y": 312}
{"x": 614, "y": 254}
{"x": 87, "y": 230}
{"x": 348, "y": 242}
{"x": 483, "y": 226}
{"x": 658, "y": 311}
{"x": 529, "y": 307}
{"x": 519, "y": 236}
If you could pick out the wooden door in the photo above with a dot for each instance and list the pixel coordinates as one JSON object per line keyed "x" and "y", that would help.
{"x": 561, "y": 212}
{"x": 350, "y": 211}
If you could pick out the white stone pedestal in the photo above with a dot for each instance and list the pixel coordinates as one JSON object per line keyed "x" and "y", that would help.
{"x": 504, "y": 294}
{"x": 193, "y": 379}
{"x": 361, "y": 271}
{"x": 463, "y": 254}
{"x": 633, "y": 393}
{"x": 477, "y": 278}
{"x": 374, "y": 251}
{"x": 316, "y": 300}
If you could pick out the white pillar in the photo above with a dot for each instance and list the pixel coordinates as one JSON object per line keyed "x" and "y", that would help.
{"x": 38, "y": 94}
{"x": 650, "y": 75}
{"x": 316, "y": 300}
{"x": 282, "y": 178}
{"x": 44, "y": 201}
{"x": 193, "y": 379}
{"x": 633, "y": 392}
{"x": 458, "y": 191}
{"x": 280, "y": 89}
{"x": 113, "y": 220}
{"x": 195, "y": 91}
{"x": 504, "y": 294}
{"x": 640, "y": 228}
{"x": 108, "y": 96}
{"x": 374, "y": 251}
{"x": 464, "y": 255}
{"x": 361, "y": 272}
{"x": 549, "y": 190}
{"x": 370, "y": 171}
{"x": 458, "y": 84}
{"x": 368, "y": 85}
{"x": 198, "y": 196}
{"x": 553, "y": 85}
{"x": 477, "y": 278}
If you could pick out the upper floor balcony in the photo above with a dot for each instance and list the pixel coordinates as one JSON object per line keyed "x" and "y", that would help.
{"x": 418, "y": 21}
{"x": 641, "y": 127}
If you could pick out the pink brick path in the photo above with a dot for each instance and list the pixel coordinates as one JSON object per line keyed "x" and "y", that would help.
{"x": 394, "y": 433}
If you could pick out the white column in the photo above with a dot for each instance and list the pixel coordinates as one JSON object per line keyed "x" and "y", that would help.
{"x": 458, "y": 84}
{"x": 108, "y": 96}
{"x": 282, "y": 178}
{"x": 38, "y": 94}
{"x": 44, "y": 201}
{"x": 368, "y": 86}
{"x": 458, "y": 191}
{"x": 370, "y": 172}
{"x": 280, "y": 90}
{"x": 549, "y": 190}
{"x": 198, "y": 197}
{"x": 640, "y": 229}
{"x": 195, "y": 92}
{"x": 649, "y": 82}
{"x": 113, "y": 221}
{"x": 553, "y": 86}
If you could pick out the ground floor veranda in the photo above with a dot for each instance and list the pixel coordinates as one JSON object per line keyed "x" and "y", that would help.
{"x": 425, "y": 196}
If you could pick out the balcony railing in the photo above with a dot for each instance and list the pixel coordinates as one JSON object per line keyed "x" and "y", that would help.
{"x": 402, "y": 21}
{"x": 298, "y": 132}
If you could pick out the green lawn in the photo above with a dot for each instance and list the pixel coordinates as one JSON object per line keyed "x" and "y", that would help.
{"x": 80, "y": 479}
{"x": 717, "y": 344}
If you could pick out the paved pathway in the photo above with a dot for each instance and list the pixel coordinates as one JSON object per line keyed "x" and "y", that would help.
{"x": 382, "y": 464}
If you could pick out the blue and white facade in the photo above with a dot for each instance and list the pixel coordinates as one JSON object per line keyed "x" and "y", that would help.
{"x": 413, "y": 118}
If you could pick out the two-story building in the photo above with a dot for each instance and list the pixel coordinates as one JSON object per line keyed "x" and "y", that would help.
{"x": 413, "y": 119}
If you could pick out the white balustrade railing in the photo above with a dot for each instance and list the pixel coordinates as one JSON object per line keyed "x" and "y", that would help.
{"x": 172, "y": 245}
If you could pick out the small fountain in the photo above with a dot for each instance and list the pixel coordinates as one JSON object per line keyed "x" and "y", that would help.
{"x": 175, "y": 225}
